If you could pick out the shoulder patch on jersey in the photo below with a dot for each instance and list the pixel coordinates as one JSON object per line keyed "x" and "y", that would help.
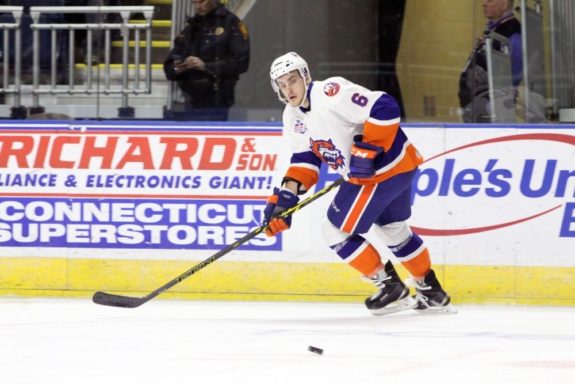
{"x": 299, "y": 127}
{"x": 243, "y": 30}
{"x": 331, "y": 88}
{"x": 327, "y": 152}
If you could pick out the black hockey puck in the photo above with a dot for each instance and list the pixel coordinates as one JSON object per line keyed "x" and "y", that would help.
{"x": 313, "y": 349}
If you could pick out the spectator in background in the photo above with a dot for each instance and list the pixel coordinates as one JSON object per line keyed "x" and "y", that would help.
{"x": 207, "y": 58}
{"x": 473, "y": 82}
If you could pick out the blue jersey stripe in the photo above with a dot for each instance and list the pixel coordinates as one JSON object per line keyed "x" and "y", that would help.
{"x": 392, "y": 153}
{"x": 306, "y": 157}
{"x": 385, "y": 108}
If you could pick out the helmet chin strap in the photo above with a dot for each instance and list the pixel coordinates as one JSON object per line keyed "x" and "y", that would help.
{"x": 304, "y": 98}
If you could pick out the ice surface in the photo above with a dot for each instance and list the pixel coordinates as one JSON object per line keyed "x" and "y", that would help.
{"x": 61, "y": 341}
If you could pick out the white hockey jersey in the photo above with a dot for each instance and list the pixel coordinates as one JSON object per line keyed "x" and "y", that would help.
{"x": 339, "y": 113}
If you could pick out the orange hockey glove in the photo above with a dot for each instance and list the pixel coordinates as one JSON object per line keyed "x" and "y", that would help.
{"x": 281, "y": 200}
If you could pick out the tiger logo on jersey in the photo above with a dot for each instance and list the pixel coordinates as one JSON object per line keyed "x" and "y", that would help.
{"x": 331, "y": 89}
{"x": 327, "y": 152}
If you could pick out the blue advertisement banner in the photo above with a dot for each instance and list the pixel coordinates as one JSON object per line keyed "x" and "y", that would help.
{"x": 131, "y": 223}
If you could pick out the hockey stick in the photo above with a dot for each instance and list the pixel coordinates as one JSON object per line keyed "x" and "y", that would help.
{"x": 113, "y": 300}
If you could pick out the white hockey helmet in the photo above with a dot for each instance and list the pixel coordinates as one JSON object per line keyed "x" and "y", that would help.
{"x": 285, "y": 64}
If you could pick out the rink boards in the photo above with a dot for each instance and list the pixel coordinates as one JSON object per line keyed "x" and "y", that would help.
{"x": 128, "y": 206}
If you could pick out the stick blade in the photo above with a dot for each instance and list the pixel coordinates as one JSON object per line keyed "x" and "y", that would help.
{"x": 112, "y": 300}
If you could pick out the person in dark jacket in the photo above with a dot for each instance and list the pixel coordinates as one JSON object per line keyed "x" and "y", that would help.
{"x": 207, "y": 58}
{"x": 473, "y": 82}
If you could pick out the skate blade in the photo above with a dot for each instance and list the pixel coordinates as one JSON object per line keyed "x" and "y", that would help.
{"x": 399, "y": 306}
{"x": 448, "y": 310}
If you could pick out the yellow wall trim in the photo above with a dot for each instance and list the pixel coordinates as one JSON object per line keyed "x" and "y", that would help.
{"x": 269, "y": 281}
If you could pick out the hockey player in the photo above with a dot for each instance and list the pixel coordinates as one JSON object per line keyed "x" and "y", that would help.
{"x": 357, "y": 133}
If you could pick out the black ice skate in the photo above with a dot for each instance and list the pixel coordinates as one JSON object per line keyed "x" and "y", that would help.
{"x": 430, "y": 297}
{"x": 393, "y": 295}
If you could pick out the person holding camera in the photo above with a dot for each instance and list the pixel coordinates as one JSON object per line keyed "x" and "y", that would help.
{"x": 206, "y": 60}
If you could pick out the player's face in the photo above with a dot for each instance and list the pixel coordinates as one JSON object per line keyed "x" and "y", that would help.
{"x": 292, "y": 87}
